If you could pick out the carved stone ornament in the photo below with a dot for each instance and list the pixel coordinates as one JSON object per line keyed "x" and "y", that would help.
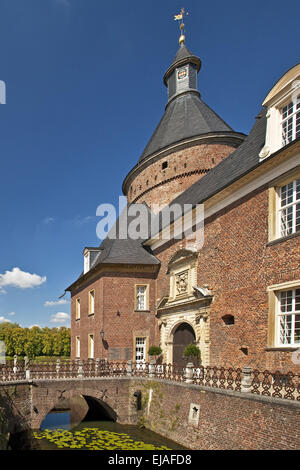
{"x": 181, "y": 282}
{"x": 264, "y": 152}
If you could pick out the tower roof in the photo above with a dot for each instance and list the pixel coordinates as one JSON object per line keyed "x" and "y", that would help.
{"x": 182, "y": 57}
{"x": 186, "y": 116}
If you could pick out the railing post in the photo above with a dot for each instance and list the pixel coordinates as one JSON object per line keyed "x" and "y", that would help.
{"x": 27, "y": 369}
{"x": 189, "y": 373}
{"x": 129, "y": 367}
{"x": 80, "y": 369}
{"x": 246, "y": 381}
{"x": 57, "y": 367}
{"x": 152, "y": 364}
{"x": 15, "y": 364}
{"x": 97, "y": 364}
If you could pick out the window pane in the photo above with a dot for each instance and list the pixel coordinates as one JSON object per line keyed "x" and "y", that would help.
{"x": 287, "y": 194}
{"x": 287, "y": 221}
{"x": 286, "y": 300}
{"x": 297, "y": 329}
{"x": 141, "y": 297}
{"x": 285, "y": 329}
{"x": 297, "y": 300}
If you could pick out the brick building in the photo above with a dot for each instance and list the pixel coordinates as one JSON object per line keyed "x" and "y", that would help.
{"x": 237, "y": 297}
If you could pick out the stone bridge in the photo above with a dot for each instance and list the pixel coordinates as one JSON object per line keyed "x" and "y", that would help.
{"x": 215, "y": 410}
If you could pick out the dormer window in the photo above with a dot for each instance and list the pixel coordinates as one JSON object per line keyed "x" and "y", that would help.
{"x": 283, "y": 112}
{"x": 86, "y": 262}
{"x": 290, "y": 121}
{"x": 90, "y": 255}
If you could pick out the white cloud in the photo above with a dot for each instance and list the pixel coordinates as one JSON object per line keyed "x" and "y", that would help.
{"x": 3, "y": 320}
{"x": 52, "y": 303}
{"x": 48, "y": 220}
{"x": 21, "y": 279}
{"x": 11, "y": 313}
{"x": 60, "y": 317}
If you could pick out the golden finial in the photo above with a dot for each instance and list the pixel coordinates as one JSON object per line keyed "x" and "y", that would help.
{"x": 180, "y": 17}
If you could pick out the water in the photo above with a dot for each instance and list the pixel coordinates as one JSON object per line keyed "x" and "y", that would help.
{"x": 94, "y": 435}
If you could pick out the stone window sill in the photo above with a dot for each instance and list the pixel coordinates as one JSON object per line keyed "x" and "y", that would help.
{"x": 283, "y": 239}
{"x": 142, "y": 311}
{"x": 283, "y": 349}
{"x": 91, "y": 314}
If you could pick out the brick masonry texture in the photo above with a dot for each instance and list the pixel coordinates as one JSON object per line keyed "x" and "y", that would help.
{"x": 238, "y": 265}
{"x": 155, "y": 185}
{"x": 227, "y": 420}
{"x": 235, "y": 262}
{"x": 115, "y": 314}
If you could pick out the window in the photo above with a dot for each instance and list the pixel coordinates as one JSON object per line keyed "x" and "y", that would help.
{"x": 289, "y": 208}
{"x": 164, "y": 165}
{"x": 284, "y": 315}
{"x": 77, "y": 313}
{"x": 77, "y": 346}
{"x": 91, "y": 302}
{"x": 283, "y": 112}
{"x": 86, "y": 259}
{"x": 288, "y": 317}
{"x": 140, "y": 349}
{"x": 91, "y": 346}
{"x": 290, "y": 121}
{"x": 141, "y": 300}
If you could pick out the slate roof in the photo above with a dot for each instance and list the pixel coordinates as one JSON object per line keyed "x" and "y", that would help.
{"x": 123, "y": 251}
{"x": 183, "y": 55}
{"x": 185, "y": 117}
{"x": 244, "y": 159}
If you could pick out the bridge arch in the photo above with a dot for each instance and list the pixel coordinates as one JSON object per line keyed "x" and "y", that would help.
{"x": 98, "y": 404}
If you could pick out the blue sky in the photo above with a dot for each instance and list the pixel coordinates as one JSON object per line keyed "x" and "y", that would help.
{"x": 84, "y": 94}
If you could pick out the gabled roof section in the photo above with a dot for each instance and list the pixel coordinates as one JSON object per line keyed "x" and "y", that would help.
{"x": 292, "y": 74}
{"x": 122, "y": 251}
{"x": 185, "y": 117}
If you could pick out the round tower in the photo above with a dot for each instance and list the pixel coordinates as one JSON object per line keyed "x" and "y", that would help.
{"x": 189, "y": 140}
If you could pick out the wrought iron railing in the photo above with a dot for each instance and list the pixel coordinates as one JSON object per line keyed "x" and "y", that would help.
{"x": 265, "y": 383}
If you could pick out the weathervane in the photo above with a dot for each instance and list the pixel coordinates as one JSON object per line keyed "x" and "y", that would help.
{"x": 180, "y": 17}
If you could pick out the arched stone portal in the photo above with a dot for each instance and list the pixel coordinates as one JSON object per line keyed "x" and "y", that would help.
{"x": 182, "y": 337}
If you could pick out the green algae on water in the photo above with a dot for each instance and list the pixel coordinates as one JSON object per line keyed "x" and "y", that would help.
{"x": 93, "y": 439}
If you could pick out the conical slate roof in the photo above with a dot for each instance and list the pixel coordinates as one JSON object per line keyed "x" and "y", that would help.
{"x": 185, "y": 117}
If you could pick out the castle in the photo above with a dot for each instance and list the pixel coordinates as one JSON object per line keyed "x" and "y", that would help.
{"x": 237, "y": 297}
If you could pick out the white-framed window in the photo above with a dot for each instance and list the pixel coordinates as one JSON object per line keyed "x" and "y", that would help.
{"x": 289, "y": 208}
{"x": 77, "y": 312}
{"x": 141, "y": 297}
{"x": 77, "y": 345}
{"x": 288, "y": 317}
{"x": 140, "y": 349}
{"x": 86, "y": 262}
{"x": 91, "y": 302}
{"x": 91, "y": 346}
{"x": 290, "y": 121}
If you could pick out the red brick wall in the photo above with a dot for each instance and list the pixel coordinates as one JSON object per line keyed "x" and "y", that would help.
{"x": 156, "y": 186}
{"x": 114, "y": 292}
{"x": 227, "y": 420}
{"x": 238, "y": 266}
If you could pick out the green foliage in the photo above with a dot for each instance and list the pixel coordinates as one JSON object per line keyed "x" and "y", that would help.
{"x": 93, "y": 439}
{"x": 154, "y": 351}
{"x": 192, "y": 351}
{"x": 35, "y": 341}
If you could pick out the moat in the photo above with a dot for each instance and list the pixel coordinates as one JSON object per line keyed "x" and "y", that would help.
{"x": 58, "y": 432}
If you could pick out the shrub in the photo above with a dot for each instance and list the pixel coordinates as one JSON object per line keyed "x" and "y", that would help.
{"x": 192, "y": 351}
{"x": 154, "y": 351}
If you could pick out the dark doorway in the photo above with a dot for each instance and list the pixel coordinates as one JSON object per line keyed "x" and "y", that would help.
{"x": 183, "y": 336}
